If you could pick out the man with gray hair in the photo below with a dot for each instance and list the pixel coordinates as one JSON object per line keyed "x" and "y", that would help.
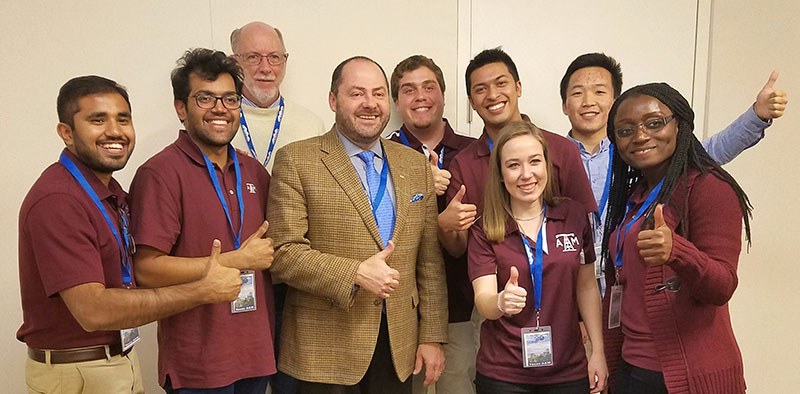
{"x": 268, "y": 120}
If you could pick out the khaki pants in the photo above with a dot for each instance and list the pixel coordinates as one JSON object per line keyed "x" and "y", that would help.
{"x": 115, "y": 375}
{"x": 460, "y": 353}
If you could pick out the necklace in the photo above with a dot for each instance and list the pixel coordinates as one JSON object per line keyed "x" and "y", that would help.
{"x": 530, "y": 218}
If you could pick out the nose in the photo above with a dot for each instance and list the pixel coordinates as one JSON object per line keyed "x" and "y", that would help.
{"x": 218, "y": 106}
{"x": 527, "y": 171}
{"x": 114, "y": 129}
{"x": 641, "y": 134}
{"x": 264, "y": 66}
{"x": 588, "y": 100}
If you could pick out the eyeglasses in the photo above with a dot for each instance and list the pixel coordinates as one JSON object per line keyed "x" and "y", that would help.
{"x": 207, "y": 101}
{"x": 650, "y": 126}
{"x": 254, "y": 58}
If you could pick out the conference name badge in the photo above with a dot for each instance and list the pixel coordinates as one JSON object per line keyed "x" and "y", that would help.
{"x": 129, "y": 337}
{"x": 537, "y": 347}
{"x": 246, "y": 302}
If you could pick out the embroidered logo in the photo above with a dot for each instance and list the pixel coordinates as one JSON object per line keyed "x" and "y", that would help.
{"x": 251, "y": 188}
{"x": 567, "y": 242}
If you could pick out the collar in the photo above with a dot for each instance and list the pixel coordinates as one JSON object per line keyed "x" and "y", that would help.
{"x": 103, "y": 192}
{"x": 604, "y": 144}
{"x": 449, "y": 138}
{"x": 353, "y": 149}
{"x": 185, "y": 144}
{"x": 247, "y": 102}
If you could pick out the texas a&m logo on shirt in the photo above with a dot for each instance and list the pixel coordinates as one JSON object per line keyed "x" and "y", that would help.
{"x": 567, "y": 242}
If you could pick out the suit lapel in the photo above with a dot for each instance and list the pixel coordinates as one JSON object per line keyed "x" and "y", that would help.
{"x": 401, "y": 185}
{"x": 341, "y": 168}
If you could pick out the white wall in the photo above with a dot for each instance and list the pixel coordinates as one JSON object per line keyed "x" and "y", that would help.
{"x": 749, "y": 39}
{"x": 136, "y": 43}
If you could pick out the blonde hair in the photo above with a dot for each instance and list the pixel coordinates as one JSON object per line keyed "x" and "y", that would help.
{"x": 497, "y": 206}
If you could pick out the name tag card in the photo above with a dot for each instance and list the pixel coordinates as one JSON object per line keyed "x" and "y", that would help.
{"x": 246, "y": 302}
{"x": 537, "y": 347}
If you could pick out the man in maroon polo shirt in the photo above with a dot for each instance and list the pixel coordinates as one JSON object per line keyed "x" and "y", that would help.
{"x": 493, "y": 88}
{"x": 417, "y": 85}
{"x": 196, "y": 189}
{"x": 79, "y": 301}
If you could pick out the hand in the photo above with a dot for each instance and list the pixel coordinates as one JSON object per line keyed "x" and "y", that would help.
{"x": 598, "y": 372}
{"x": 432, "y": 355}
{"x": 441, "y": 177}
{"x": 655, "y": 245}
{"x": 458, "y": 216}
{"x": 375, "y": 276}
{"x": 222, "y": 284}
{"x": 256, "y": 252}
{"x": 512, "y": 299}
{"x": 770, "y": 103}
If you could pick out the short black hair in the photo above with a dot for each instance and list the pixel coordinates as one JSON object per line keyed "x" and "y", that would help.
{"x": 336, "y": 78}
{"x": 206, "y": 63}
{"x": 488, "y": 56}
{"x": 79, "y": 87}
{"x": 593, "y": 60}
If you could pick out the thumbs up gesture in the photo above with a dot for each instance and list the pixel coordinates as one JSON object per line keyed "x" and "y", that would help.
{"x": 770, "y": 103}
{"x": 375, "y": 276}
{"x": 441, "y": 177}
{"x": 512, "y": 299}
{"x": 655, "y": 246}
{"x": 458, "y": 216}
{"x": 221, "y": 284}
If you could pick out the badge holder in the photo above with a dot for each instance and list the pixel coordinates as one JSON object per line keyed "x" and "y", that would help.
{"x": 246, "y": 301}
{"x": 129, "y": 337}
{"x": 615, "y": 306}
{"x": 537, "y": 346}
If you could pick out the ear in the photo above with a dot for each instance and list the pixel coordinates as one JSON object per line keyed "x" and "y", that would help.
{"x": 332, "y": 101}
{"x": 180, "y": 109}
{"x": 65, "y": 132}
{"x": 471, "y": 103}
{"x": 519, "y": 88}
{"x": 564, "y": 107}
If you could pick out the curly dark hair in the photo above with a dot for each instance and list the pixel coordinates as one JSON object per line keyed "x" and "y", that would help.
{"x": 206, "y": 63}
{"x": 689, "y": 154}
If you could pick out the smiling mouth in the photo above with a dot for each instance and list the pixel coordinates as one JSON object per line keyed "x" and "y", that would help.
{"x": 527, "y": 187}
{"x": 642, "y": 151}
{"x": 421, "y": 109}
{"x": 496, "y": 107}
{"x": 113, "y": 147}
{"x": 589, "y": 115}
{"x": 367, "y": 117}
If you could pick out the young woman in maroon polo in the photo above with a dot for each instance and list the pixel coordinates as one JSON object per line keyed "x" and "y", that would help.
{"x": 518, "y": 194}
{"x": 677, "y": 264}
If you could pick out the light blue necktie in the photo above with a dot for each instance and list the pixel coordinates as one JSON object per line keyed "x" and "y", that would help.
{"x": 384, "y": 214}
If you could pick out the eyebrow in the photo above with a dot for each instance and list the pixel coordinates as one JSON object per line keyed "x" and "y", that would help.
{"x": 208, "y": 92}
{"x": 595, "y": 85}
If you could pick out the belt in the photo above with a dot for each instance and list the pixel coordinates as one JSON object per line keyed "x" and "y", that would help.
{"x": 76, "y": 355}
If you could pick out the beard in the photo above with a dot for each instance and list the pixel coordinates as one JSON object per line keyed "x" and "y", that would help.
{"x": 260, "y": 96}
{"x": 362, "y": 135}
{"x": 96, "y": 162}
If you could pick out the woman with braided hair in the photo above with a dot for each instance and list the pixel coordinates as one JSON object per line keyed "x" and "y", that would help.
{"x": 671, "y": 244}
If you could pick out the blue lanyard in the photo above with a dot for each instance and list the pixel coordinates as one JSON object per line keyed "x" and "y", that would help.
{"x": 489, "y": 140}
{"x": 535, "y": 264}
{"x": 381, "y": 187}
{"x": 647, "y": 202}
{"x": 604, "y": 198}
{"x": 275, "y": 129}
{"x": 407, "y": 143}
{"x": 213, "y": 174}
{"x": 124, "y": 256}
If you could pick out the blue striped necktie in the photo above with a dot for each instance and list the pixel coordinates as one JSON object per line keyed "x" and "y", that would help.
{"x": 384, "y": 213}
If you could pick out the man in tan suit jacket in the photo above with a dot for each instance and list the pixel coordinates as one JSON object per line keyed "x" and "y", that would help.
{"x": 359, "y": 318}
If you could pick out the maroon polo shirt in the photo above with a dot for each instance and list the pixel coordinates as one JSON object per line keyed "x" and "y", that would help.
{"x": 500, "y": 355}
{"x": 471, "y": 167}
{"x": 459, "y": 289}
{"x": 175, "y": 209}
{"x": 65, "y": 241}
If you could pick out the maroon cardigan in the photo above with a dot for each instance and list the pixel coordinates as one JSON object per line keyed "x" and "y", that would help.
{"x": 691, "y": 327}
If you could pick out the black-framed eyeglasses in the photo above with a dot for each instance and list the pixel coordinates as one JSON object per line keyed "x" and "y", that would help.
{"x": 650, "y": 126}
{"x": 208, "y": 101}
{"x": 254, "y": 58}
